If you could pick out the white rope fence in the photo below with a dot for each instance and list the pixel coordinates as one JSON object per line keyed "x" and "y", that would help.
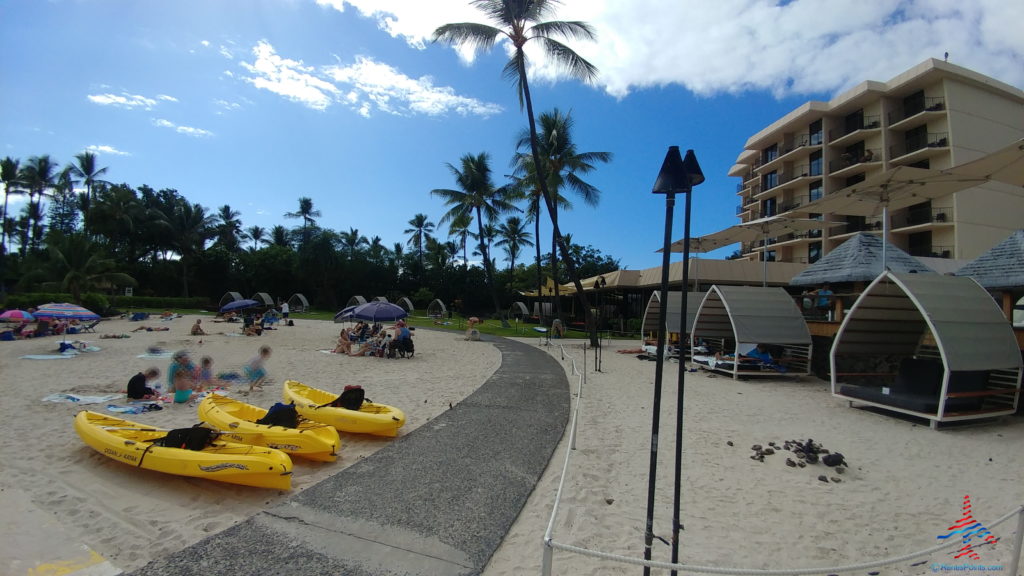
{"x": 549, "y": 544}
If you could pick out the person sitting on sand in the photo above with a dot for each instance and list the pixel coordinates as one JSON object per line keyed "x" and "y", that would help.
{"x": 197, "y": 329}
{"x": 151, "y": 329}
{"x": 137, "y": 385}
{"x": 365, "y": 349}
{"x": 344, "y": 345}
{"x": 181, "y": 377}
{"x": 206, "y": 377}
{"x": 255, "y": 370}
{"x": 759, "y": 352}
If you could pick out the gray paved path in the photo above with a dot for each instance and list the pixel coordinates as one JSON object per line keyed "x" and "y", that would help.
{"x": 436, "y": 502}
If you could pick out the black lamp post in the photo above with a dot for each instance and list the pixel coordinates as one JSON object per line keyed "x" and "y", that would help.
{"x": 676, "y": 176}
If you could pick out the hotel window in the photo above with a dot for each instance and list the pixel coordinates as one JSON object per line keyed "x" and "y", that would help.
{"x": 770, "y": 153}
{"x": 814, "y": 191}
{"x": 813, "y": 252}
{"x": 854, "y": 121}
{"x": 913, "y": 104}
{"x": 816, "y": 163}
{"x": 816, "y": 132}
{"x": 916, "y": 138}
{"x": 770, "y": 180}
{"x": 769, "y": 207}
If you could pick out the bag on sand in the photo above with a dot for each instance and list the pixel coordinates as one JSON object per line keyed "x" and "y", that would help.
{"x": 281, "y": 415}
{"x": 194, "y": 438}
{"x": 351, "y": 398}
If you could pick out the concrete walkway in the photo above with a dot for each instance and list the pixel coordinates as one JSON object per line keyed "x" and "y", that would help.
{"x": 436, "y": 502}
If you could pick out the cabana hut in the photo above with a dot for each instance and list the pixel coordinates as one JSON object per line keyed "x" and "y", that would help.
{"x": 228, "y": 298}
{"x": 298, "y": 303}
{"x": 518, "y": 310}
{"x": 355, "y": 301}
{"x": 652, "y": 314}
{"x": 436, "y": 309}
{"x": 406, "y": 304}
{"x": 381, "y": 299}
{"x": 934, "y": 347}
{"x": 734, "y": 319}
{"x": 264, "y": 299}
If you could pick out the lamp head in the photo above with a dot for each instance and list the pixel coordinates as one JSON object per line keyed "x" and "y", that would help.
{"x": 678, "y": 174}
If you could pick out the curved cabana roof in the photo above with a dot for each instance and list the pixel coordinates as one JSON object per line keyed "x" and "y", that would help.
{"x": 263, "y": 298}
{"x": 958, "y": 356}
{"x": 675, "y": 307}
{"x": 518, "y": 310}
{"x": 355, "y": 301}
{"x": 298, "y": 303}
{"x": 228, "y": 298}
{"x": 436, "y": 308}
{"x": 733, "y": 319}
{"x": 381, "y": 299}
{"x": 406, "y": 304}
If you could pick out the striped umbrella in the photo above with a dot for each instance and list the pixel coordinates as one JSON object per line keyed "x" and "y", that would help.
{"x": 53, "y": 311}
{"x": 16, "y": 316}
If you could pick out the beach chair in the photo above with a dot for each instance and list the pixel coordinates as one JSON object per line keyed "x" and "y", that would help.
{"x": 90, "y": 327}
{"x": 42, "y": 329}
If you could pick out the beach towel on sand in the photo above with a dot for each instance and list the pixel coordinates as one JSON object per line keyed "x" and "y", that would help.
{"x": 80, "y": 399}
{"x": 48, "y": 356}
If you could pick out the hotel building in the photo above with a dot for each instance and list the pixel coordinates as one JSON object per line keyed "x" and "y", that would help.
{"x": 936, "y": 115}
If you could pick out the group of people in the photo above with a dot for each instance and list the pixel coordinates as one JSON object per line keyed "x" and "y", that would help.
{"x": 184, "y": 378}
{"x": 374, "y": 340}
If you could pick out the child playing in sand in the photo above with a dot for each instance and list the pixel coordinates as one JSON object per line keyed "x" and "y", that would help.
{"x": 137, "y": 386}
{"x": 206, "y": 378}
{"x": 181, "y": 377}
{"x": 254, "y": 370}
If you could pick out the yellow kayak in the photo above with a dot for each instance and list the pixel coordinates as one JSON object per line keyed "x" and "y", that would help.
{"x": 237, "y": 422}
{"x": 133, "y": 444}
{"x": 371, "y": 418}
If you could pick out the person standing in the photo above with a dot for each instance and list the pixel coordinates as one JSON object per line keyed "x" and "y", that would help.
{"x": 284, "y": 311}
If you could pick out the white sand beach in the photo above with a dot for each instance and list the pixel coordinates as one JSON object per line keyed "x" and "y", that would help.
{"x": 904, "y": 486}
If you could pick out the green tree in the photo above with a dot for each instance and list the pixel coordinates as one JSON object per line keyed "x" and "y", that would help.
{"x": 308, "y": 216}
{"x": 192, "y": 227}
{"x": 258, "y": 235}
{"x": 39, "y": 176}
{"x": 10, "y": 174}
{"x": 420, "y": 231}
{"x": 520, "y": 21}
{"x": 459, "y": 229}
{"x": 279, "y": 236}
{"x": 512, "y": 236}
{"x": 86, "y": 169}
{"x": 80, "y": 266}
{"x": 228, "y": 228}
{"x": 63, "y": 209}
{"x": 352, "y": 241}
{"x": 476, "y": 197}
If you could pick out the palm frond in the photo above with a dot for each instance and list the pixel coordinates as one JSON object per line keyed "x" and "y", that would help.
{"x": 567, "y": 58}
{"x": 477, "y": 36}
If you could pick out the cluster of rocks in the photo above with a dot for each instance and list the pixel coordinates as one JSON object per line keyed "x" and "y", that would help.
{"x": 805, "y": 452}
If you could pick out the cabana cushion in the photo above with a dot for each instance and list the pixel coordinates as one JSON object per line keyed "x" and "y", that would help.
{"x": 918, "y": 385}
{"x": 919, "y": 376}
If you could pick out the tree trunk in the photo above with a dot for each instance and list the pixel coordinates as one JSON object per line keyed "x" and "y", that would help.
{"x": 488, "y": 271}
{"x": 566, "y": 256}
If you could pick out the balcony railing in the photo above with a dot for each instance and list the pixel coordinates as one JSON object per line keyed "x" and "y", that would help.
{"x": 866, "y": 123}
{"x": 800, "y": 140}
{"x": 918, "y": 216}
{"x": 847, "y": 159}
{"x": 932, "y": 251}
{"x": 929, "y": 140}
{"x": 930, "y": 104}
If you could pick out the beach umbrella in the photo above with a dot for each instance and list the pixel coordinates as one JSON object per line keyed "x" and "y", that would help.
{"x": 239, "y": 305}
{"x": 345, "y": 314}
{"x": 64, "y": 311}
{"x": 1006, "y": 165}
{"x": 379, "y": 312}
{"x": 16, "y": 316}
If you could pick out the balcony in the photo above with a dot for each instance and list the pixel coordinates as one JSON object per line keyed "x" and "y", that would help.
{"x": 926, "y": 217}
{"x": 920, "y": 148}
{"x": 932, "y": 251}
{"x": 914, "y": 116}
{"x": 850, "y": 134}
{"x": 847, "y": 160}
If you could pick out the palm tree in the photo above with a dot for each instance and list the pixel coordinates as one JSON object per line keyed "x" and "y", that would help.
{"x": 63, "y": 209}
{"x": 38, "y": 176}
{"x": 192, "y": 228}
{"x": 521, "y": 21}
{"x": 459, "y": 228}
{"x": 85, "y": 168}
{"x": 351, "y": 241}
{"x": 258, "y": 235}
{"x": 82, "y": 267}
{"x": 476, "y": 197}
{"x": 563, "y": 164}
{"x": 420, "y": 231}
{"x": 308, "y": 215}
{"x": 279, "y": 236}
{"x": 229, "y": 228}
{"x": 512, "y": 235}
{"x": 9, "y": 173}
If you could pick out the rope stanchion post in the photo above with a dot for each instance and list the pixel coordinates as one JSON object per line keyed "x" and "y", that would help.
{"x": 546, "y": 559}
{"x": 1018, "y": 545}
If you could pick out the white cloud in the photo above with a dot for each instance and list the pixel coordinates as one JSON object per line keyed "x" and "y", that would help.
{"x": 225, "y": 105}
{"x": 395, "y": 93}
{"x": 226, "y": 52}
{"x": 795, "y": 47}
{"x": 122, "y": 100}
{"x": 288, "y": 78}
{"x": 166, "y": 98}
{"x": 186, "y": 130}
{"x": 104, "y": 149}
{"x": 368, "y": 85}
{"x": 205, "y": 43}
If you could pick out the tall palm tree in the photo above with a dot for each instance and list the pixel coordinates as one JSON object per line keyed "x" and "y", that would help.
{"x": 563, "y": 164}
{"x": 459, "y": 229}
{"x": 476, "y": 197}
{"x": 520, "y": 21}
{"x": 63, "y": 209}
{"x": 307, "y": 214}
{"x": 81, "y": 266}
{"x": 279, "y": 236}
{"x": 229, "y": 228}
{"x": 512, "y": 235}
{"x": 39, "y": 176}
{"x": 192, "y": 228}
{"x": 85, "y": 168}
{"x": 258, "y": 235}
{"x": 352, "y": 241}
{"x": 9, "y": 173}
{"x": 420, "y": 231}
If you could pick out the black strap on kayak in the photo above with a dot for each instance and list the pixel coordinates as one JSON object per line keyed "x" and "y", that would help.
{"x": 144, "y": 452}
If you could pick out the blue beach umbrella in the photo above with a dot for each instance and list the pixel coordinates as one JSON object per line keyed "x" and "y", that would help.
{"x": 345, "y": 314}
{"x": 379, "y": 312}
{"x": 239, "y": 305}
{"x": 65, "y": 311}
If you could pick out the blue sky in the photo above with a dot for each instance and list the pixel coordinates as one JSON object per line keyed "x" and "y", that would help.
{"x": 255, "y": 103}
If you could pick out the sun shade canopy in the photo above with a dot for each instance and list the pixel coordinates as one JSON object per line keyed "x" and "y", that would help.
{"x": 751, "y": 314}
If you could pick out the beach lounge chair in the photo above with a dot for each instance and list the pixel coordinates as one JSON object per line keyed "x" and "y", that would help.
{"x": 90, "y": 327}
